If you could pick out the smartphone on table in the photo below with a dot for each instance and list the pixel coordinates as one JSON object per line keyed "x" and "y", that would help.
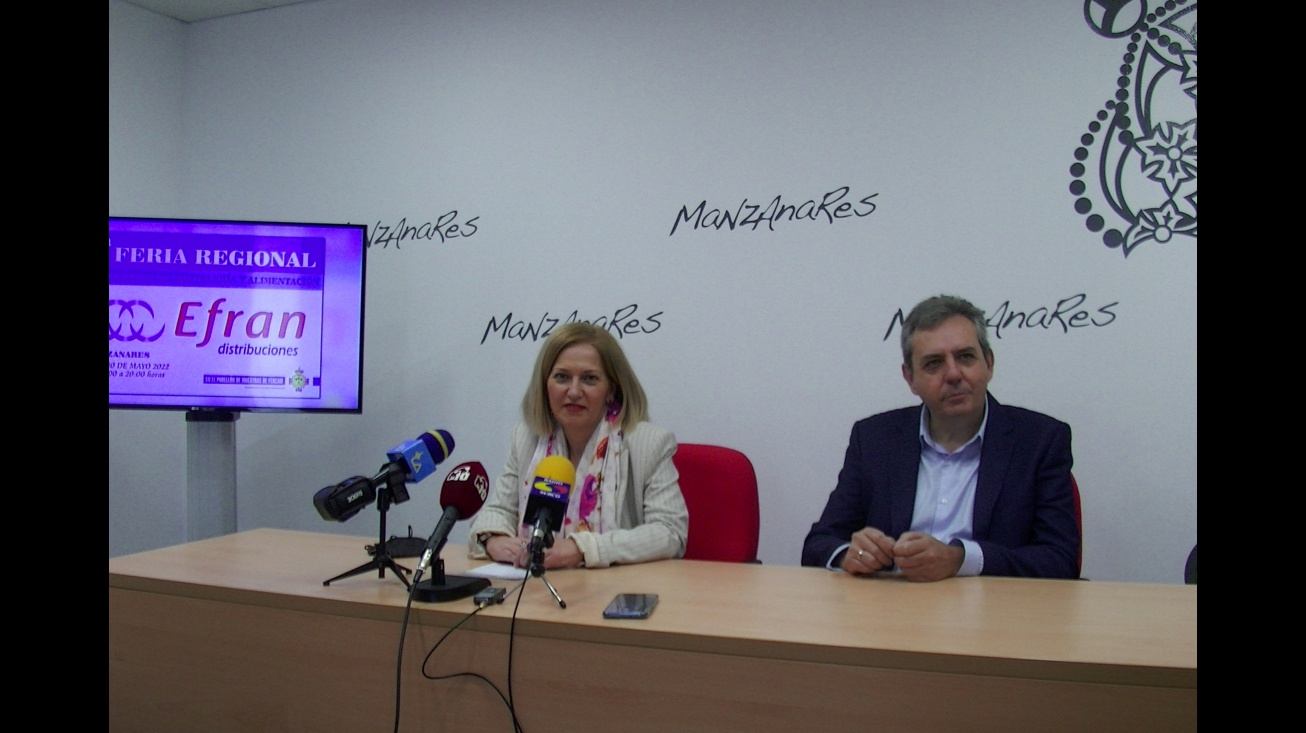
{"x": 631, "y": 605}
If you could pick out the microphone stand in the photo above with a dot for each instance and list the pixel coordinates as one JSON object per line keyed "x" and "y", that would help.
{"x": 537, "y": 565}
{"x": 382, "y": 559}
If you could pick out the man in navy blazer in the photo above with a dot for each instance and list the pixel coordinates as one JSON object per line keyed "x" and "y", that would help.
{"x": 958, "y": 485}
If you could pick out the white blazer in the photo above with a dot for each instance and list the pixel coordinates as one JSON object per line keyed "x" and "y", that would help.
{"x": 653, "y": 520}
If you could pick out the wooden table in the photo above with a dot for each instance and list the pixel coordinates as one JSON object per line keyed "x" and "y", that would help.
{"x": 237, "y": 633}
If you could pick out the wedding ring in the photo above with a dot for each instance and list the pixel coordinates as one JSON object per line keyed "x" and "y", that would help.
{"x": 860, "y": 552}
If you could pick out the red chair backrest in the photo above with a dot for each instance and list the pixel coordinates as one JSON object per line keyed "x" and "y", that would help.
{"x": 720, "y": 490}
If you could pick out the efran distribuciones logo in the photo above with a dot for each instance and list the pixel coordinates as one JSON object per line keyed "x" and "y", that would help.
{"x": 130, "y": 319}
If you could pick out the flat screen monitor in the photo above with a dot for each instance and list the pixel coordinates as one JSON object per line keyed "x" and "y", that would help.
{"x": 236, "y": 315}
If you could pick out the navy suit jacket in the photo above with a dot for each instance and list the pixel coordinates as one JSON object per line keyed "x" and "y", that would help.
{"x": 1024, "y": 521}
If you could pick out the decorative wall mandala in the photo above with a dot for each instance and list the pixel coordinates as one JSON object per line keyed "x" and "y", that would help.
{"x": 1134, "y": 178}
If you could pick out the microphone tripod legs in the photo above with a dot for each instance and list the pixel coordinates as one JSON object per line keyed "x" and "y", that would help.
{"x": 382, "y": 558}
{"x": 382, "y": 561}
{"x": 536, "y": 569}
{"x": 554, "y": 591}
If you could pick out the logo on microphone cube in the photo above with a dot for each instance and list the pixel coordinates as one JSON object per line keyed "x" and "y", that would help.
{"x": 415, "y": 458}
{"x": 551, "y": 488}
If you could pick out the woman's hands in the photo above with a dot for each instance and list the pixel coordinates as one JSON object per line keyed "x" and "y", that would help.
{"x": 514, "y": 550}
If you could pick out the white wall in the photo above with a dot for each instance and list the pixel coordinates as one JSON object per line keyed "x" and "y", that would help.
{"x": 574, "y": 132}
{"x": 147, "y": 451}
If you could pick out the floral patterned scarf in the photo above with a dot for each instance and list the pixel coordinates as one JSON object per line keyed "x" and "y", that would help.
{"x": 592, "y": 506}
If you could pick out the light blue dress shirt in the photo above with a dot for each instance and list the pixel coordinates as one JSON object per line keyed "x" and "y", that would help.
{"x": 945, "y": 495}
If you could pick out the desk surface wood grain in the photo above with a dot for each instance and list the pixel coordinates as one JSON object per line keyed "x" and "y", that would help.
{"x": 1121, "y": 633}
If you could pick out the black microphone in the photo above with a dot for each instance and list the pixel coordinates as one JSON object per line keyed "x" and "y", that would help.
{"x": 345, "y": 499}
{"x": 546, "y": 504}
{"x": 462, "y": 495}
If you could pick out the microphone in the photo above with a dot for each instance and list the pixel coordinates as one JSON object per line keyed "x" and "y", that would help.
{"x": 414, "y": 460}
{"x": 345, "y": 499}
{"x": 463, "y": 493}
{"x": 546, "y": 504}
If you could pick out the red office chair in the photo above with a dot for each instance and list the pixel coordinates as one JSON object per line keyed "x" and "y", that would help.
{"x": 1079, "y": 522}
{"x": 720, "y": 490}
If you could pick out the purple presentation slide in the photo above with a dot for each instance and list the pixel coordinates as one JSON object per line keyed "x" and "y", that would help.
{"x": 236, "y": 315}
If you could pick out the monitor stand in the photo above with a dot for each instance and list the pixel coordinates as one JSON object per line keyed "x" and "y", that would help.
{"x": 210, "y": 473}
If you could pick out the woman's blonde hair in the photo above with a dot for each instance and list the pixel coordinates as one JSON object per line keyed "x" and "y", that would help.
{"x": 626, "y": 389}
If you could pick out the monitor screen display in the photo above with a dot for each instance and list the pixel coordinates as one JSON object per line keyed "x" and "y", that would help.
{"x": 235, "y": 315}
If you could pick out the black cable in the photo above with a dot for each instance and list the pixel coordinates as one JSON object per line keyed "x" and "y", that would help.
{"x": 507, "y": 700}
{"x": 399, "y": 665}
{"x": 403, "y": 632}
{"x": 512, "y": 638}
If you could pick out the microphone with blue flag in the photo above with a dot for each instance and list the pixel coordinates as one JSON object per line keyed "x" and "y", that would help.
{"x": 418, "y": 457}
{"x": 409, "y": 462}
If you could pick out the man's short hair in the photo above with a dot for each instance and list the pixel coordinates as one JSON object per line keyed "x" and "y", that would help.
{"x": 931, "y": 312}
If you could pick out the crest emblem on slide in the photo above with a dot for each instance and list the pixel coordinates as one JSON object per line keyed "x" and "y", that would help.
{"x": 1134, "y": 177}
